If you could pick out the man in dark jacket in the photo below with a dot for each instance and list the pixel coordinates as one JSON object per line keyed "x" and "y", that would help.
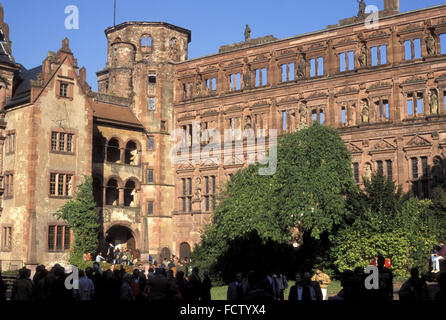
{"x": 300, "y": 291}
{"x": 159, "y": 285}
{"x": 237, "y": 289}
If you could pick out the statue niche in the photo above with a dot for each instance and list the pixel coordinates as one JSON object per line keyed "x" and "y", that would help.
{"x": 433, "y": 101}
{"x": 364, "y": 111}
{"x": 430, "y": 45}
{"x": 301, "y": 68}
{"x": 362, "y": 57}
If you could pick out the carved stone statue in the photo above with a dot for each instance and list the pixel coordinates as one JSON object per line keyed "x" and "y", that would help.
{"x": 361, "y": 11}
{"x": 368, "y": 171}
{"x": 430, "y": 45}
{"x": 133, "y": 197}
{"x": 303, "y": 113}
{"x": 198, "y": 189}
{"x": 362, "y": 58}
{"x": 365, "y": 111}
{"x": 301, "y": 69}
{"x": 199, "y": 85}
{"x": 433, "y": 101}
{"x": 247, "y": 33}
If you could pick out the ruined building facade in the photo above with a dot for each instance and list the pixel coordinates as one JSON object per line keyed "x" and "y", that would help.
{"x": 383, "y": 89}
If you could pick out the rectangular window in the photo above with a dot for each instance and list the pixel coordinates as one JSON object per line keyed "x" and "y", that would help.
{"x": 151, "y": 143}
{"x": 409, "y": 105}
{"x": 342, "y": 66}
{"x": 11, "y": 143}
{"x": 67, "y": 239}
{"x": 386, "y": 108}
{"x": 419, "y": 103}
{"x": 351, "y": 60}
{"x": 183, "y": 184}
{"x": 183, "y": 204}
{"x": 356, "y": 171}
{"x": 287, "y": 72}
{"x": 54, "y": 141}
{"x": 321, "y": 117}
{"x": 189, "y": 204}
{"x": 424, "y": 166}
{"x": 343, "y": 115}
{"x": 383, "y": 50}
{"x": 213, "y": 184}
{"x": 417, "y": 48}
{"x": 59, "y": 238}
{"x": 206, "y": 202}
{"x": 320, "y": 65}
{"x": 264, "y": 76}
{"x": 284, "y": 118}
{"x": 374, "y": 52}
{"x": 408, "y": 50}
{"x": 9, "y": 185}
{"x": 7, "y": 238}
{"x": 69, "y": 142}
{"x": 63, "y": 142}
{"x": 389, "y": 168}
{"x": 51, "y": 237}
{"x": 151, "y": 105}
{"x": 443, "y": 43}
{"x": 284, "y": 73}
{"x": 189, "y": 184}
{"x": 163, "y": 125}
{"x": 380, "y": 167}
{"x": 414, "y": 168}
{"x": 63, "y": 90}
{"x": 314, "y": 112}
{"x": 150, "y": 208}
{"x": 312, "y": 67}
{"x": 150, "y": 176}
{"x": 206, "y": 179}
{"x": 60, "y": 185}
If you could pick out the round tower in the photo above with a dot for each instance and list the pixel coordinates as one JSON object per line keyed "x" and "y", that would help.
{"x": 121, "y": 68}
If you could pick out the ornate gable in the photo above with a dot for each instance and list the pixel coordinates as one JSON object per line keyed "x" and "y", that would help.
{"x": 353, "y": 148}
{"x": 418, "y": 141}
{"x": 383, "y": 145}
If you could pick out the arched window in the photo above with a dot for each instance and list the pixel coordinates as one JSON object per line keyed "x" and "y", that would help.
{"x": 130, "y": 194}
{"x": 131, "y": 153}
{"x": 173, "y": 43}
{"x": 184, "y": 250}
{"x": 112, "y": 193}
{"x": 146, "y": 41}
{"x": 113, "y": 151}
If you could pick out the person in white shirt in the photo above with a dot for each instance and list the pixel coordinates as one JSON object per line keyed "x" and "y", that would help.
{"x": 100, "y": 258}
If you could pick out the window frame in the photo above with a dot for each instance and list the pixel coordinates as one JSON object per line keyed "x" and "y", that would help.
{"x": 55, "y": 239}
{"x": 64, "y": 187}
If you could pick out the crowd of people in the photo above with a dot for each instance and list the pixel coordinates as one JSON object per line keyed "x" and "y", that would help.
{"x": 94, "y": 283}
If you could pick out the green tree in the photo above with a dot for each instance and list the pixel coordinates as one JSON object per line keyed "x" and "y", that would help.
{"x": 81, "y": 216}
{"x": 307, "y": 193}
{"x": 382, "y": 221}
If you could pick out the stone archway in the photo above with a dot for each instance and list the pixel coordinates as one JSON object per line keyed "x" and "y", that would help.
{"x": 119, "y": 234}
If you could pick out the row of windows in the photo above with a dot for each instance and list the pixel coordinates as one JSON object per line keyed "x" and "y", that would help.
{"x": 147, "y": 43}
{"x": 208, "y": 194}
{"x": 379, "y": 169}
{"x": 59, "y": 238}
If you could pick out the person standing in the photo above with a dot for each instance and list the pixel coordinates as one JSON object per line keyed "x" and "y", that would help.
{"x": 22, "y": 288}
{"x": 86, "y": 287}
{"x": 414, "y": 289}
{"x": 126, "y": 293}
{"x": 159, "y": 285}
{"x": 195, "y": 285}
{"x": 440, "y": 255}
{"x": 237, "y": 289}
{"x": 300, "y": 291}
{"x": 282, "y": 284}
{"x": 206, "y": 287}
{"x": 323, "y": 280}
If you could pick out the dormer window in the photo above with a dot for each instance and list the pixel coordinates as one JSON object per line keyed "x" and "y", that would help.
{"x": 63, "y": 92}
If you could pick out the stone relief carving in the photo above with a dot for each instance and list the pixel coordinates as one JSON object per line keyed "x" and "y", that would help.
{"x": 198, "y": 189}
{"x": 301, "y": 69}
{"x": 368, "y": 171}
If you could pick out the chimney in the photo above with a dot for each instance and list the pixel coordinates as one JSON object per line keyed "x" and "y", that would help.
{"x": 392, "y": 5}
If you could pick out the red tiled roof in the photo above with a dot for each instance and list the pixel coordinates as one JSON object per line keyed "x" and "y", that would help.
{"x": 114, "y": 113}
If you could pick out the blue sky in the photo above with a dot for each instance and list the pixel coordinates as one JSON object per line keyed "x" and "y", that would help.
{"x": 37, "y": 27}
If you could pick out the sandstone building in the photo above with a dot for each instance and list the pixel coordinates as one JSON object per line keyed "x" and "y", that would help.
{"x": 382, "y": 88}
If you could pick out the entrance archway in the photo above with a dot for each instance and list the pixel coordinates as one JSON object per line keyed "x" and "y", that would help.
{"x": 121, "y": 235}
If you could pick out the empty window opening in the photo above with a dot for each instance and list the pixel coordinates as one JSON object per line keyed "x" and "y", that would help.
{"x": 131, "y": 153}
{"x": 443, "y": 43}
{"x": 130, "y": 194}
{"x": 342, "y": 62}
{"x": 113, "y": 151}
{"x": 351, "y": 60}
{"x": 343, "y": 115}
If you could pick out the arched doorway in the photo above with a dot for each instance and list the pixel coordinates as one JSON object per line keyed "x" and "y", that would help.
{"x": 184, "y": 250}
{"x": 121, "y": 235}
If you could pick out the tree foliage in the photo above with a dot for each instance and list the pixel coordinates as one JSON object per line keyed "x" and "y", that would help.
{"x": 81, "y": 216}
{"x": 383, "y": 221}
{"x": 306, "y": 192}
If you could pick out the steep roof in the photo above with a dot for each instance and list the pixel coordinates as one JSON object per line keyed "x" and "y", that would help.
{"x": 22, "y": 86}
{"x": 116, "y": 114}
